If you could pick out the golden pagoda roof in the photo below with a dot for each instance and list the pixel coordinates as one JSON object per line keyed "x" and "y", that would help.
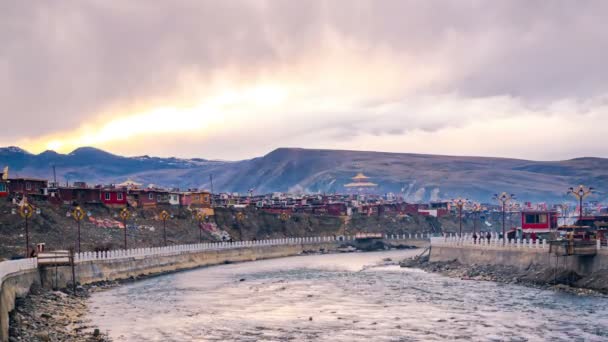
{"x": 360, "y": 184}
{"x": 359, "y": 176}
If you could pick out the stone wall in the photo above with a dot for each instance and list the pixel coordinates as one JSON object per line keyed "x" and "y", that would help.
{"x": 521, "y": 258}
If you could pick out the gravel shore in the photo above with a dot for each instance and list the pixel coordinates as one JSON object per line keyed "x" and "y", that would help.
{"x": 49, "y": 316}
{"x": 536, "y": 276}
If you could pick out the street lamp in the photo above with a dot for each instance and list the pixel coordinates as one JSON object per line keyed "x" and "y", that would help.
{"x": 164, "y": 215}
{"x": 476, "y": 209}
{"x": 124, "y": 215}
{"x": 26, "y": 211}
{"x": 460, "y": 202}
{"x": 78, "y": 214}
{"x": 503, "y": 199}
{"x": 200, "y": 217}
{"x": 580, "y": 193}
{"x": 564, "y": 209}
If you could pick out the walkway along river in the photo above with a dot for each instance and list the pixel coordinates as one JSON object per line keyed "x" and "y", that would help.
{"x": 340, "y": 297}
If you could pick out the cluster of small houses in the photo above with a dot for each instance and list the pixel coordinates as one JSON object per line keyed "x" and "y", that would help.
{"x": 135, "y": 195}
{"x": 538, "y": 219}
{"x": 113, "y": 196}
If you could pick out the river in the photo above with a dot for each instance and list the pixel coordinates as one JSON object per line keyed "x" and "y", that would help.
{"x": 340, "y": 297}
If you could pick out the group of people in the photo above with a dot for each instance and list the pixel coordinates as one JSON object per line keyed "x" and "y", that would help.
{"x": 481, "y": 235}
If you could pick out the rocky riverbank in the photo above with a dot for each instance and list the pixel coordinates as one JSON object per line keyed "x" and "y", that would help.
{"x": 49, "y": 316}
{"x": 542, "y": 277}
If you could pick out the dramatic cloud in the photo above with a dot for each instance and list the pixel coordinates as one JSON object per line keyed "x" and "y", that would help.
{"x": 234, "y": 79}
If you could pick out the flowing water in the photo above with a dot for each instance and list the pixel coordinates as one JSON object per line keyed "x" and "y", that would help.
{"x": 340, "y": 297}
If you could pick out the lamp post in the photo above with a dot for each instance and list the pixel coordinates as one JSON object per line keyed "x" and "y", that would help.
{"x": 26, "y": 211}
{"x": 78, "y": 214}
{"x": 200, "y": 217}
{"x": 580, "y": 193}
{"x": 503, "y": 199}
{"x": 459, "y": 203}
{"x": 564, "y": 207}
{"x": 476, "y": 210}
{"x": 125, "y": 214}
{"x": 164, "y": 215}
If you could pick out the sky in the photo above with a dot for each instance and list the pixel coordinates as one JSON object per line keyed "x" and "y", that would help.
{"x": 236, "y": 79}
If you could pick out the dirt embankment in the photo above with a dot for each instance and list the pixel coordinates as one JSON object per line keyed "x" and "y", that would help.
{"x": 546, "y": 277}
{"x": 53, "y": 226}
{"x": 49, "y": 316}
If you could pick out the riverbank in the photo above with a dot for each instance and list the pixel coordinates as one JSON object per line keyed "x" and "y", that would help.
{"x": 535, "y": 275}
{"x": 49, "y": 316}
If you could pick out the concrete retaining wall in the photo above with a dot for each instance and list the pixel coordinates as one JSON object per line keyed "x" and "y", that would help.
{"x": 106, "y": 270}
{"x": 520, "y": 258}
{"x": 13, "y": 286}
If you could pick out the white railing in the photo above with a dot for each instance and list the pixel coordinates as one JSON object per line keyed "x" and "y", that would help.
{"x": 409, "y": 236}
{"x": 13, "y": 266}
{"x": 201, "y": 247}
{"x": 195, "y": 248}
{"x": 495, "y": 242}
{"x": 467, "y": 241}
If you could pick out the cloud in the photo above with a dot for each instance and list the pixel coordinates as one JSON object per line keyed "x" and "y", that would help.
{"x": 173, "y": 78}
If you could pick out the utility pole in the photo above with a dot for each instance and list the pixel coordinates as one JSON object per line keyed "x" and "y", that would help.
{"x": 55, "y": 178}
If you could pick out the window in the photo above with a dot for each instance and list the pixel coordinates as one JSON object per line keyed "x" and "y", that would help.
{"x": 150, "y": 196}
{"x": 536, "y": 218}
{"x": 107, "y": 195}
{"x": 159, "y": 198}
{"x": 197, "y": 198}
{"x": 2, "y": 187}
{"x": 28, "y": 186}
{"x": 119, "y": 196}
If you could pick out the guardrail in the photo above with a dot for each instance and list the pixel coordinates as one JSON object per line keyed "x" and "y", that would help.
{"x": 14, "y": 266}
{"x": 194, "y": 248}
{"x": 201, "y": 247}
{"x": 495, "y": 242}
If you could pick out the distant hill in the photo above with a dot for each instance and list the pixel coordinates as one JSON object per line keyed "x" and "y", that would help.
{"x": 419, "y": 177}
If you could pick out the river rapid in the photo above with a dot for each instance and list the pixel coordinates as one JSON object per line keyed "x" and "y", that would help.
{"x": 340, "y": 297}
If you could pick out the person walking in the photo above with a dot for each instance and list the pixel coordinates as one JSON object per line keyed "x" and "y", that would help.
{"x": 474, "y": 238}
{"x": 488, "y": 236}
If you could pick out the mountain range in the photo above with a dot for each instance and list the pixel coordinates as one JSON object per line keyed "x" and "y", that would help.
{"x": 419, "y": 177}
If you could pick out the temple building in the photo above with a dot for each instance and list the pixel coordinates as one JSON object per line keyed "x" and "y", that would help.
{"x": 361, "y": 184}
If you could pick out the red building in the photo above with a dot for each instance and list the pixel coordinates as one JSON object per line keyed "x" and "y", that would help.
{"x": 25, "y": 186}
{"x": 114, "y": 198}
{"x": 3, "y": 188}
{"x": 146, "y": 198}
{"x": 538, "y": 221}
{"x": 80, "y": 194}
{"x": 337, "y": 209}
